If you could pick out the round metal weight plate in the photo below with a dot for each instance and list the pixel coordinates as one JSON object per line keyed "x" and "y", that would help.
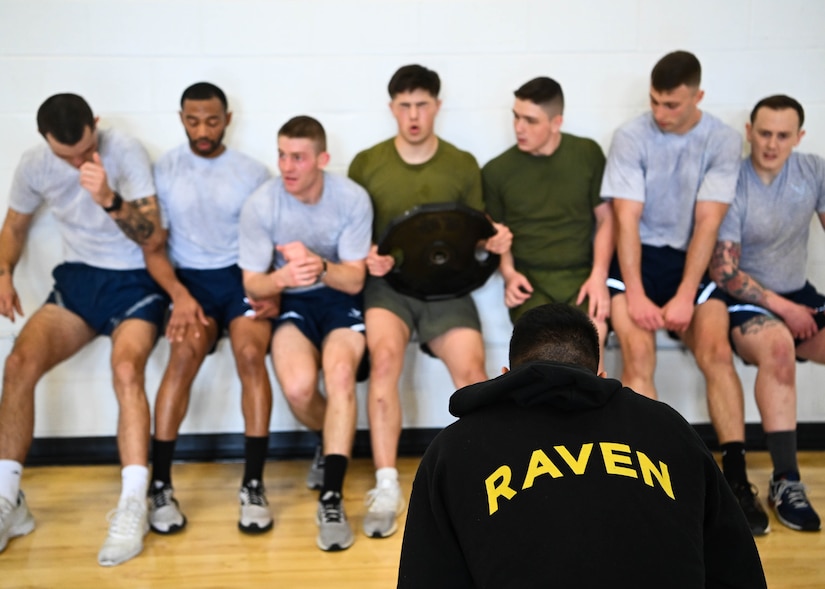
{"x": 437, "y": 252}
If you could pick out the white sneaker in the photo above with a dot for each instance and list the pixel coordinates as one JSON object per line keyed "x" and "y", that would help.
{"x": 128, "y": 525}
{"x": 15, "y": 520}
{"x": 384, "y": 505}
{"x": 256, "y": 517}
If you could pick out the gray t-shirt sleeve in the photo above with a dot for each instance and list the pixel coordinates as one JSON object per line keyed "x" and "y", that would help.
{"x": 255, "y": 242}
{"x": 819, "y": 171}
{"x": 624, "y": 173}
{"x": 24, "y": 198}
{"x": 127, "y": 164}
{"x": 356, "y": 236}
{"x": 719, "y": 181}
{"x": 731, "y": 227}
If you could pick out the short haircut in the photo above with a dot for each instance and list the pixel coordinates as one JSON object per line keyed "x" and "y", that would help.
{"x": 414, "y": 77}
{"x": 204, "y": 91}
{"x": 555, "y": 332}
{"x": 675, "y": 69}
{"x": 305, "y": 127}
{"x": 779, "y": 102}
{"x": 543, "y": 91}
{"x": 65, "y": 117}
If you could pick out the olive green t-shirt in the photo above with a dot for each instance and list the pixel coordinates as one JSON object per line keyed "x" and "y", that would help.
{"x": 547, "y": 202}
{"x": 395, "y": 186}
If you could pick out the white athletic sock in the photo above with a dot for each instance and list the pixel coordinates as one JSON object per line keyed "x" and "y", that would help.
{"x": 10, "y": 473}
{"x": 388, "y": 474}
{"x": 135, "y": 482}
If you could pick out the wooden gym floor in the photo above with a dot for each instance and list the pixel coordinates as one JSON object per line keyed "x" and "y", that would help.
{"x": 70, "y": 504}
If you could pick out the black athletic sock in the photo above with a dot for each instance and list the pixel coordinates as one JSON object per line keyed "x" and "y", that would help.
{"x": 335, "y": 468}
{"x": 733, "y": 462}
{"x": 782, "y": 447}
{"x": 255, "y": 448}
{"x": 162, "y": 453}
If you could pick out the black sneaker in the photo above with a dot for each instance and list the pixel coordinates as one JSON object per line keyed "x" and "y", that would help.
{"x": 791, "y": 505}
{"x": 752, "y": 508}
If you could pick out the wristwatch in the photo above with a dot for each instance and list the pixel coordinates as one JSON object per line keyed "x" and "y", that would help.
{"x": 117, "y": 204}
{"x": 323, "y": 270}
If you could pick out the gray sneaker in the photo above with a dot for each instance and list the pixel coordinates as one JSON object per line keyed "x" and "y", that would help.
{"x": 127, "y": 527}
{"x": 256, "y": 517}
{"x": 384, "y": 505}
{"x": 15, "y": 519}
{"x": 165, "y": 516}
{"x": 334, "y": 531}
{"x": 315, "y": 476}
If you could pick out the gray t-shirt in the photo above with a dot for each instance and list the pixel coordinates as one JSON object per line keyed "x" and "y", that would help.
{"x": 670, "y": 173}
{"x": 772, "y": 223}
{"x": 89, "y": 234}
{"x": 201, "y": 199}
{"x": 338, "y": 227}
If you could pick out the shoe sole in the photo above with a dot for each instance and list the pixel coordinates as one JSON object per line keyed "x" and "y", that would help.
{"x": 173, "y": 529}
{"x": 22, "y": 529}
{"x": 761, "y": 531}
{"x": 128, "y": 557}
{"x": 255, "y": 529}
{"x": 378, "y": 534}
{"x": 333, "y": 547}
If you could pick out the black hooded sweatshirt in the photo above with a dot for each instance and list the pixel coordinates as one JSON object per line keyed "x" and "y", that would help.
{"x": 554, "y": 477}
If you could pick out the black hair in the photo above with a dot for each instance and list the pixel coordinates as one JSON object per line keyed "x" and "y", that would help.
{"x": 65, "y": 117}
{"x": 555, "y": 332}
{"x": 543, "y": 91}
{"x": 204, "y": 91}
{"x": 414, "y": 77}
{"x": 779, "y": 102}
{"x": 675, "y": 69}
{"x": 305, "y": 127}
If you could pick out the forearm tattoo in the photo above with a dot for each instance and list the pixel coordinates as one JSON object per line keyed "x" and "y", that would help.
{"x": 136, "y": 222}
{"x": 724, "y": 267}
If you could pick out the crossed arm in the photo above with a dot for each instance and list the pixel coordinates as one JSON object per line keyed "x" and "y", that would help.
{"x": 304, "y": 268}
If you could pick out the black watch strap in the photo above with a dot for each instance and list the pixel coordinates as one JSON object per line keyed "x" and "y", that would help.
{"x": 117, "y": 204}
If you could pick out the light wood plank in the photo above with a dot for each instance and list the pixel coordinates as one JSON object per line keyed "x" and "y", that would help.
{"x": 69, "y": 504}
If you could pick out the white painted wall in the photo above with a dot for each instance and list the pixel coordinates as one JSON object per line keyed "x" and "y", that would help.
{"x": 332, "y": 59}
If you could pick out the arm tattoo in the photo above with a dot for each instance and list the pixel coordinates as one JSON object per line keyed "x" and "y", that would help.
{"x": 136, "y": 221}
{"x": 724, "y": 266}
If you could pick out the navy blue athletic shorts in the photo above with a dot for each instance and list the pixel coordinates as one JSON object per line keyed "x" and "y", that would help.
{"x": 740, "y": 312}
{"x": 219, "y": 292}
{"x": 662, "y": 270}
{"x": 105, "y": 298}
{"x": 317, "y": 312}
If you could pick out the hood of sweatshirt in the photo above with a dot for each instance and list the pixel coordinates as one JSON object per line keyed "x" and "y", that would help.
{"x": 562, "y": 386}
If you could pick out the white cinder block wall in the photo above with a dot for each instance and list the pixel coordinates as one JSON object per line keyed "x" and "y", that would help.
{"x": 332, "y": 59}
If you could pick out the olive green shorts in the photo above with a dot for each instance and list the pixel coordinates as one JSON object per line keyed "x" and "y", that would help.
{"x": 552, "y": 286}
{"x": 429, "y": 319}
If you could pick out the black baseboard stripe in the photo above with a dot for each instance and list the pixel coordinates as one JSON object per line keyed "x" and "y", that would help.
{"x": 301, "y": 444}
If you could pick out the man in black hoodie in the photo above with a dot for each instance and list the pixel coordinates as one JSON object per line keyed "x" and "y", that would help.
{"x": 554, "y": 476}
